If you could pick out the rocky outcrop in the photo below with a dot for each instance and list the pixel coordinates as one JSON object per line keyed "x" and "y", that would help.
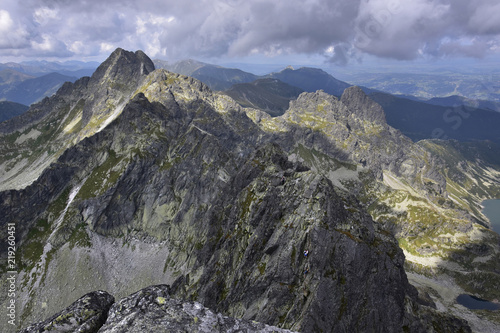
{"x": 362, "y": 106}
{"x": 154, "y": 310}
{"x": 85, "y": 315}
{"x": 239, "y": 253}
{"x": 353, "y": 129}
{"x": 148, "y": 310}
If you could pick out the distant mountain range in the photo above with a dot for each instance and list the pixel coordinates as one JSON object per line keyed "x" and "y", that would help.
{"x": 420, "y": 120}
{"x": 30, "y": 90}
{"x": 311, "y": 80}
{"x": 10, "y": 110}
{"x": 39, "y": 68}
{"x": 10, "y": 76}
{"x": 221, "y": 78}
{"x": 452, "y": 117}
{"x": 472, "y": 86}
{"x": 270, "y": 95}
{"x": 29, "y": 82}
{"x": 216, "y": 77}
{"x": 456, "y": 100}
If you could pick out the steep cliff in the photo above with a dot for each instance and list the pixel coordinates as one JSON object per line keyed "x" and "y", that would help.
{"x": 428, "y": 194}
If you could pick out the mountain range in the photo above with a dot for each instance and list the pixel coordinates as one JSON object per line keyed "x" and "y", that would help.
{"x": 441, "y": 118}
{"x": 33, "y": 89}
{"x": 455, "y": 100}
{"x": 270, "y": 95}
{"x": 30, "y": 82}
{"x": 71, "y": 68}
{"x": 420, "y": 120}
{"x": 322, "y": 219}
{"x": 216, "y": 77}
{"x": 415, "y": 117}
{"x": 10, "y": 110}
{"x": 474, "y": 86}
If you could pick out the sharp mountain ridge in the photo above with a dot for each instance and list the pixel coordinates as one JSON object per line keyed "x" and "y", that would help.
{"x": 37, "y": 138}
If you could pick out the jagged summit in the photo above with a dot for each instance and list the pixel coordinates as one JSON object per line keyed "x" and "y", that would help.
{"x": 124, "y": 65}
{"x": 363, "y": 106}
{"x": 78, "y": 110}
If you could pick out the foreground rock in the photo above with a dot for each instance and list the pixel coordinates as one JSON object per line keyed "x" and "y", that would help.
{"x": 152, "y": 310}
{"x": 86, "y": 315}
{"x": 148, "y": 310}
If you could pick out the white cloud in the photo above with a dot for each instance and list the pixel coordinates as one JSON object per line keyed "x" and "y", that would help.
{"x": 220, "y": 28}
{"x": 106, "y": 47}
{"x": 6, "y": 22}
{"x": 45, "y": 15}
{"x": 47, "y": 45}
{"x": 12, "y": 35}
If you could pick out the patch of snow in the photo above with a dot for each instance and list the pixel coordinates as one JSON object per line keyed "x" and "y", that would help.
{"x": 48, "y": 245}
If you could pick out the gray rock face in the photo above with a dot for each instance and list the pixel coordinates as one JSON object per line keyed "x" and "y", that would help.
{"x": 354, "y": 129}
{"x": 148, "y": 310}
{"x": 362, "y": 106}
{"x": 86, "y": 315}
{"x": 29, "y": 143}
{"x": 153, "y": 310}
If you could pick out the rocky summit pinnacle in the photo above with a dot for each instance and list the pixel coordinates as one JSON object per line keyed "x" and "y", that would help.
{"x": 359, "y": 103}
{"x": 80, "y": 110}
{"x": 157, "y": 181}
{"x": 124, "y": 65}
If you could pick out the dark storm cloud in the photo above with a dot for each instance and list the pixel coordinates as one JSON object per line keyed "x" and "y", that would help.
{"x": 339, "y": 29}
{"x": 298, "y": 26}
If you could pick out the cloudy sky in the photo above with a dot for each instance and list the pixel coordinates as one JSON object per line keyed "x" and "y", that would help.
{"x": 339, "y": 32}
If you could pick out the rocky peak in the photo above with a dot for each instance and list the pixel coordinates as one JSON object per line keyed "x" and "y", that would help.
{"x": 353, "y": 129}
{"x": 362, "y": 106}
{"x": 124, "y": 65}
{"x": 78, "y": 110}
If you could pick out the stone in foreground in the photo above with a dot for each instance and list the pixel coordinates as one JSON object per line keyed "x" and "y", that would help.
{"x": 86, "y": 315}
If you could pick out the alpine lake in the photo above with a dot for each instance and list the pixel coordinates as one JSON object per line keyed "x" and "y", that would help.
{"x": 492, "y": 211}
